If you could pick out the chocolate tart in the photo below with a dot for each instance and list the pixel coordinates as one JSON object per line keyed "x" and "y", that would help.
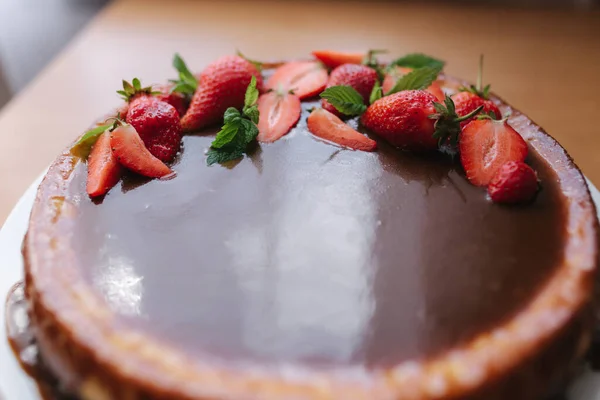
{"x": 306, "y": 271}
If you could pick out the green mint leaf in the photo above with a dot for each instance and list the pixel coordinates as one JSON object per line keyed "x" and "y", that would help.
{"x": 418, "y": 60}
{"x": 84, "y": 145}
{"x": 376, "y": 93}
{"x": 187, "y": 82}
{"x": 252, "y": 113}
{"x": 230, "y": 115}
{"x": 251, "y": 96}
{"x": 249, "y": 129}
{"x": 345, "y": 99}
{"x": 418, "y": 79}
{"x": 226, "y": 135}
{"x": 220, "y": 156}
{"x": 257, "y": 64}
{"x": 183, "y": 87}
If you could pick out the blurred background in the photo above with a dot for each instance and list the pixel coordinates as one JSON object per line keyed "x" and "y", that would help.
{"x": 32, "y": 32}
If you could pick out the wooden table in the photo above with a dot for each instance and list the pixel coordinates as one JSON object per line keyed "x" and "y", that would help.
{"x": 545, "y": 63}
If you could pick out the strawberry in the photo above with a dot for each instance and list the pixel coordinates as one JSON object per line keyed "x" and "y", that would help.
{"x": 515, "y": 182}
{"x": 332, "y": 59}
{"x": 325, "y": 125}
{"x": 158, "y": 125}
{"x": 164, "y": 93}
{"x": 467, "y": 101}
{"x": 413, "y": 120}
{"x": 396, "y": 73}
{"x": 486, "y": 145}
{"x": 278, "y": 113}
{"x": 305, "y": 78}
{"x": 359, "y": 77}
{"x": 104, "y": 170}
{"x": 129, "y": 149}
{"x": 221, "y": 85}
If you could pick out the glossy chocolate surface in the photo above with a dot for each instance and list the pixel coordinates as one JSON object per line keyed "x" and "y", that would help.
{"x": 307, "y": 253}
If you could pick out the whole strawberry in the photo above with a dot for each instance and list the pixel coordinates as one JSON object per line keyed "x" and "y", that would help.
{"x": 157, "y": 124}
{"x": 515, "y": 182}
{"x": 413, "y": 120}
{"x": 466, "y": 102}
{"x": 178, "y": 100}
{"x": 221, "y": 85}
{"x": 359, "y": 77}
{"x": 132, "y": 91}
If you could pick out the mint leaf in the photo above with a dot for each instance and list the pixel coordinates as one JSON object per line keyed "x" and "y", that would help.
{"x": 84, "y": 145}
{"x": 345, "y": 99}
{"x": 418, "y": 79}
{"x": 376, "y": 93}
{"x": 217, "y": 156}
{"x": 187, "y": 82}
{"x": 251, "y": 96}
{"x": 238, "y": 131}
{"x": 226, "y": 135}
{"x": 418, "y": 60}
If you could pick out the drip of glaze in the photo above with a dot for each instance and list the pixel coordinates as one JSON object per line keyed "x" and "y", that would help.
{"x": 21, "y": 338}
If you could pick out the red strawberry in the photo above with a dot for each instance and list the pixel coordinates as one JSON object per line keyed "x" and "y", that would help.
{"x": 333, "y": 59}
{"x": 515, "y": 182}
{"x": 359, "y": 77}
{"x": 392, "y": 77}
{"x": 485, "y": 146}
{"x": 325, "y": 125}
{"x": 177, "y": 100}
{"x": 158, "y": 125}
{"x": 465, "y": 102}
{"x": 104, "y": 170}
{"x": 279, "y": 112}
{"x": 403, "y": 119}
{"x": 221, "y": 85}
{"x": 305, "y": 78}
{"x": 128, "y": 148}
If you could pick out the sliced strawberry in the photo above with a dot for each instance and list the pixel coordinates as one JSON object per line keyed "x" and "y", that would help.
{"x": 325, "y": 125}
{"x": 392, "y": 77}
{"x": 104, "y": 170}
{"x": 333, "y": 59}
{"x": 515, "y": 182}
{"x": 129, "y": 149}
{"x": 279, "y": 112}
{"x": 305, "y": 78}
{"x": 485, "y": 145}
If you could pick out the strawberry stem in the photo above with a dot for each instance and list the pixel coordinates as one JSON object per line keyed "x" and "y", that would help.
{"x": 469, "y": 115}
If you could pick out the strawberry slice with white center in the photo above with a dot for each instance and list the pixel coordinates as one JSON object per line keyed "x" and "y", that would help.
{"x": 279, "y": 112}
{"x": 327, "y": 126}
{"x": 104, "y": 170}
{"x": 486, "y": 145}
{"x": 305, "y": 78}
{"x": 129, "y": 149}
{"x": 333, "y": 59}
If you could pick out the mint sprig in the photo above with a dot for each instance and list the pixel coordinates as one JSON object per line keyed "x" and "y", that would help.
{"x": 187, "y": 82}
{"x": 84, "y": 145}
{"x": 376, "y": 93}
{"x": 418, "y": 60}
{"x": 238, "y": 131}
{"x": 345, "y": 99}
{"x": 418, "y": 79}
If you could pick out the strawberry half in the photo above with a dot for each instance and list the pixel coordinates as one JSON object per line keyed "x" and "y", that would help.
{"x": 305, "y": 78}
{"x": 129, "y": 149}
{"x": 485, "y": 145}
{"x": 333, "y": 59}
{"x": 157, "y": 123}
{"x": 104, "y": 170}
{"x": 393, "y": 75}
{"x": 359, "y": 77}
{"x": 278, "y": 112}
{"x": 515, "y": 182}
{"x": 221, "y": 85}
{"x": 325, "y": 125}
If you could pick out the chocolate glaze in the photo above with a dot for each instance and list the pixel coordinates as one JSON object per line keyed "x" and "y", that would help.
{"x": 307, "y": 253}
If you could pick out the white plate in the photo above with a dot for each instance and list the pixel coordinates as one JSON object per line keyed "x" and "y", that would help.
{"x": 16, "y": 385}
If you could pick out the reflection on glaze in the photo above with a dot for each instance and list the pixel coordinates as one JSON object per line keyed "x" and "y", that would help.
{"x": 307, "y": 253}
